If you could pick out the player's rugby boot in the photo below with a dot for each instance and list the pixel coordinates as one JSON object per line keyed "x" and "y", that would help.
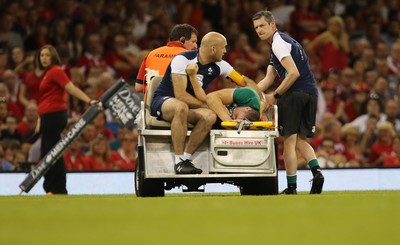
{"x": 317, "y": 183}
{"x": 289, "y": 191}
{"x": 186, "y": 167}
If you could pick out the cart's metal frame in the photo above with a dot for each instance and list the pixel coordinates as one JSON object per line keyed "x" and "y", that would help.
{"x": 245, "y": 158}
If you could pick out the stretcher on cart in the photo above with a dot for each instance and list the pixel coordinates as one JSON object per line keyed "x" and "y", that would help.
{"x": 248, "y": 125}
{"x": 243, "y": 154}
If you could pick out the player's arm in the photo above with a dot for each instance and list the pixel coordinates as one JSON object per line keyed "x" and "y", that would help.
{"x": 139, "y": 87}
{"x": 227, "y": 71}
{"x": 217, "y": 100}
{"x": 140, "y": 79}
{"x": 179, "y": 83}
{"x": 199, "y": 92}
{"x": 22, "y": 95}
{"x": 75, "y": 91}
{"x": 179, "y": 79}
{"x": 269, "y": 78}
{"x": 292, "y": 75}
{"x": 59, "y": 76}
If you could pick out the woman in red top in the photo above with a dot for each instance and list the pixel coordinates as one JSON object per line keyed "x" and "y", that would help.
{"x": 393, "y": 159}
{"x": 352, "y": 150}
{"x": 125, "y": 156}
{"x": 243, "y": 57}
{"x": 331, "y": 48}
{"x": 383, "y": 144}
{"x": 353, "y": 105}
{"x": 53, "y": 113}
{"x": 74, "y": 157}
{"x": 100, "y": 123}
{"x": 305, "y": 23}
{"x": 29, "y": 90}
{"x": 99, "y": 155}
{"x": 333, "y": 103}
{"x": 20, "y": 63}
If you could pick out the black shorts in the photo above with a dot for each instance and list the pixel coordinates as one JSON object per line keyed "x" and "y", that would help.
{"x": 296, "y": 113}
{"x": 156, "y": 104}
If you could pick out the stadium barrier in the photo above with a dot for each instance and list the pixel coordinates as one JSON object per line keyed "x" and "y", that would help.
{"x": 122, "y": 182}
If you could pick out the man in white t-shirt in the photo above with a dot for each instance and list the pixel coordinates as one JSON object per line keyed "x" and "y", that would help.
{"x": 180, "y": 97}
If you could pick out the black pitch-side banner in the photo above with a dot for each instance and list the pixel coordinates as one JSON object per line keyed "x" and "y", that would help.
{"x": 119, "y": 99}
{"x": 124, "y": 105}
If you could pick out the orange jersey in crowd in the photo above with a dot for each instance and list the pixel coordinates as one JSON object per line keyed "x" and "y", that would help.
{"x": 158, "y": 60}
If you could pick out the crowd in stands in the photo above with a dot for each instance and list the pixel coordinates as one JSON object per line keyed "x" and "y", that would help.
{"x": 353, "y": 47}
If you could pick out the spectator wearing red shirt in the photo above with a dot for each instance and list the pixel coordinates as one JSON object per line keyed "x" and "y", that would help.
{"x": 105, "y": 81}
{"x": 154, "y": 37}
{"x": 331, "y": 48}
{"x": 93, "y": 62}
{"x": 74, "y": 157}
{"x": 12, "y": 108}
{"x": 3, "y": 111}
{"x": 368, "y": 137}
{"x": 346, "y": 84}
{"x": 383, "y": 144}
{"x": 243, "y": 57}
{"x": 191, "y": 12}
{"x": 99, "y": 155}
{"x": 20, "y": 63}
{"x": 53, "y": 113}
{"x": 333, "y": 103}
{"x": 393, "y": 159}
{"x": 124, "y": 63}
{"x": 27, "y": 125}
{"x": 393, "y": 60}
{"x": 125, "y": 156}
{"x": 374, "y": 33}
{"x": 100, "y": 124}
{"x": 11, "y": 80}
{"x": 352, "y": 150}
{"x": 327, "y": 156}
{"x": 373, "y": 107}
{"x": 88, "y": 134}
{"x": 330, "y": 129}
{"x": 3, "y": 57}
{"x": 77, "y": 107}
{"x": 353, "y": 105}
{"x": 29, "y": 91}
{"x": 305, "y": 24}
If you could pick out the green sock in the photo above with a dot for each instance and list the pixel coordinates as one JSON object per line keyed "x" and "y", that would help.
{"x": 292, "y": 181}
{"x": 313, "y": 163}
{"x": 314, "y": 166}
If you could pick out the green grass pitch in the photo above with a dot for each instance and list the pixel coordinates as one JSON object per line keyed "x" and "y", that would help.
{"x": 367, "y": 217}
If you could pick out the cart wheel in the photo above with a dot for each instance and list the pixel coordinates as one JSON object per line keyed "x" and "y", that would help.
{"x": 146, "y": 187}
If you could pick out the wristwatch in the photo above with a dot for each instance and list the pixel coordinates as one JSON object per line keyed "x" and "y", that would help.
{"x": 276, "y": 95}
